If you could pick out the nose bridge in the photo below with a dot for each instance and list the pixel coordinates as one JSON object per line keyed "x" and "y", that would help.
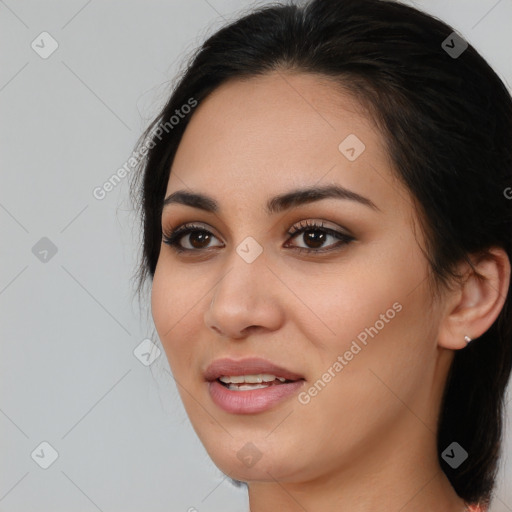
{"x": 245, "y": 269}
{"x": 240, "y": 298}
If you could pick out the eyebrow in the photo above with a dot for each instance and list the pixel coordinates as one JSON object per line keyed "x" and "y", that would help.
{"x": 276, "y": 204}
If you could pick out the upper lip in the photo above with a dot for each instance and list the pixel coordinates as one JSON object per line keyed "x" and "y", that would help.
{"x": 248, "y": 366}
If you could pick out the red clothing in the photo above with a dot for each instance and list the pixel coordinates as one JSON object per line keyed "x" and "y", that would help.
{"x": 476, "y": 508}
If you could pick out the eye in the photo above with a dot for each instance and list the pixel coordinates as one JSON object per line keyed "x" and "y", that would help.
{"x": 314, "y": 235}
{"x": 198, "y": 239}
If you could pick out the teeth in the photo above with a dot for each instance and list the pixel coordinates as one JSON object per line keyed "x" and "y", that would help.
{"x": 247, "y": 387}
{"x": 251, "y": 379}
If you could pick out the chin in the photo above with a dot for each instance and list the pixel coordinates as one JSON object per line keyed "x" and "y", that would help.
{"x": 246, "y": 463}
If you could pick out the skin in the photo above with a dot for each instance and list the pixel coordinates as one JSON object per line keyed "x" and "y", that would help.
{"x": 367, "y": 441}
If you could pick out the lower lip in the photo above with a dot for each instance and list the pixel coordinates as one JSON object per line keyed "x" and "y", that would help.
{"x": 253, "y": 401}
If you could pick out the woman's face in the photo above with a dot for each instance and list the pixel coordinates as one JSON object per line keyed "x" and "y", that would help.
{"x": 352, "y": 318}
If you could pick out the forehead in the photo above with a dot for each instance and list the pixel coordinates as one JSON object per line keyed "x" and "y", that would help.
{"x": 279, "y": 131}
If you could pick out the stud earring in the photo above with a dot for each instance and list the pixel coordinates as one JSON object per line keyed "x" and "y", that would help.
{"x": 468, "y": 339}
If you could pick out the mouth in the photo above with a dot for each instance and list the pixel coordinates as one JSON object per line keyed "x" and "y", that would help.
{"x": 250, "y": 386}
{"x": 255, "y": 369}
{"x": 250, "y": 382}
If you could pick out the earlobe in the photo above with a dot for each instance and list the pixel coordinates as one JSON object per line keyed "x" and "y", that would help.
{"x": 476, "y": 304}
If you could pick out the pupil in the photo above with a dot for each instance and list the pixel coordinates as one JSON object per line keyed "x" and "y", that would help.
{"x": 316, "y": 241}
{"x": 197, "y": 236}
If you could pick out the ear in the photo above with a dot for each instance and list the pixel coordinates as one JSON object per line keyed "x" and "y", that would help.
{"x": 473, "y": 307}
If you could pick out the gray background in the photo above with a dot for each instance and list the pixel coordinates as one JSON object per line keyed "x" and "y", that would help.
{"x": 69, "y": 325}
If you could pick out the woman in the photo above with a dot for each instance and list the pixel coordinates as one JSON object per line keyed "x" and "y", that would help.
{"x": 328, "y": 234}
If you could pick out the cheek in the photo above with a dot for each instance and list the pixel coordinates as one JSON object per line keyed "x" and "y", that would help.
{"x": 364, "y": 293}
{"x": 374, "y": 318}
{"x": 161, "y": 300}
{"x": 172, "y": 306}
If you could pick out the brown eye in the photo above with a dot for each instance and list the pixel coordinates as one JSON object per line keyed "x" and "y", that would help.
{"x": 198, "y": 237}
{"x": 192, "y": 238}
{"x": 314, "y": 236}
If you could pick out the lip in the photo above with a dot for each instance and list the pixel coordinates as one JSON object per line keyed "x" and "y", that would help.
{"x": 252, "y": 401}
{"x": 247, "y": 366}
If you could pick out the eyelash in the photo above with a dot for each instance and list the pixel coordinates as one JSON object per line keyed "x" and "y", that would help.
{"x": 173, "y": 237}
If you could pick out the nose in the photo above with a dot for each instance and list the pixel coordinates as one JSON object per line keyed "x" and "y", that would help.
{"x": 245, "y": 300}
